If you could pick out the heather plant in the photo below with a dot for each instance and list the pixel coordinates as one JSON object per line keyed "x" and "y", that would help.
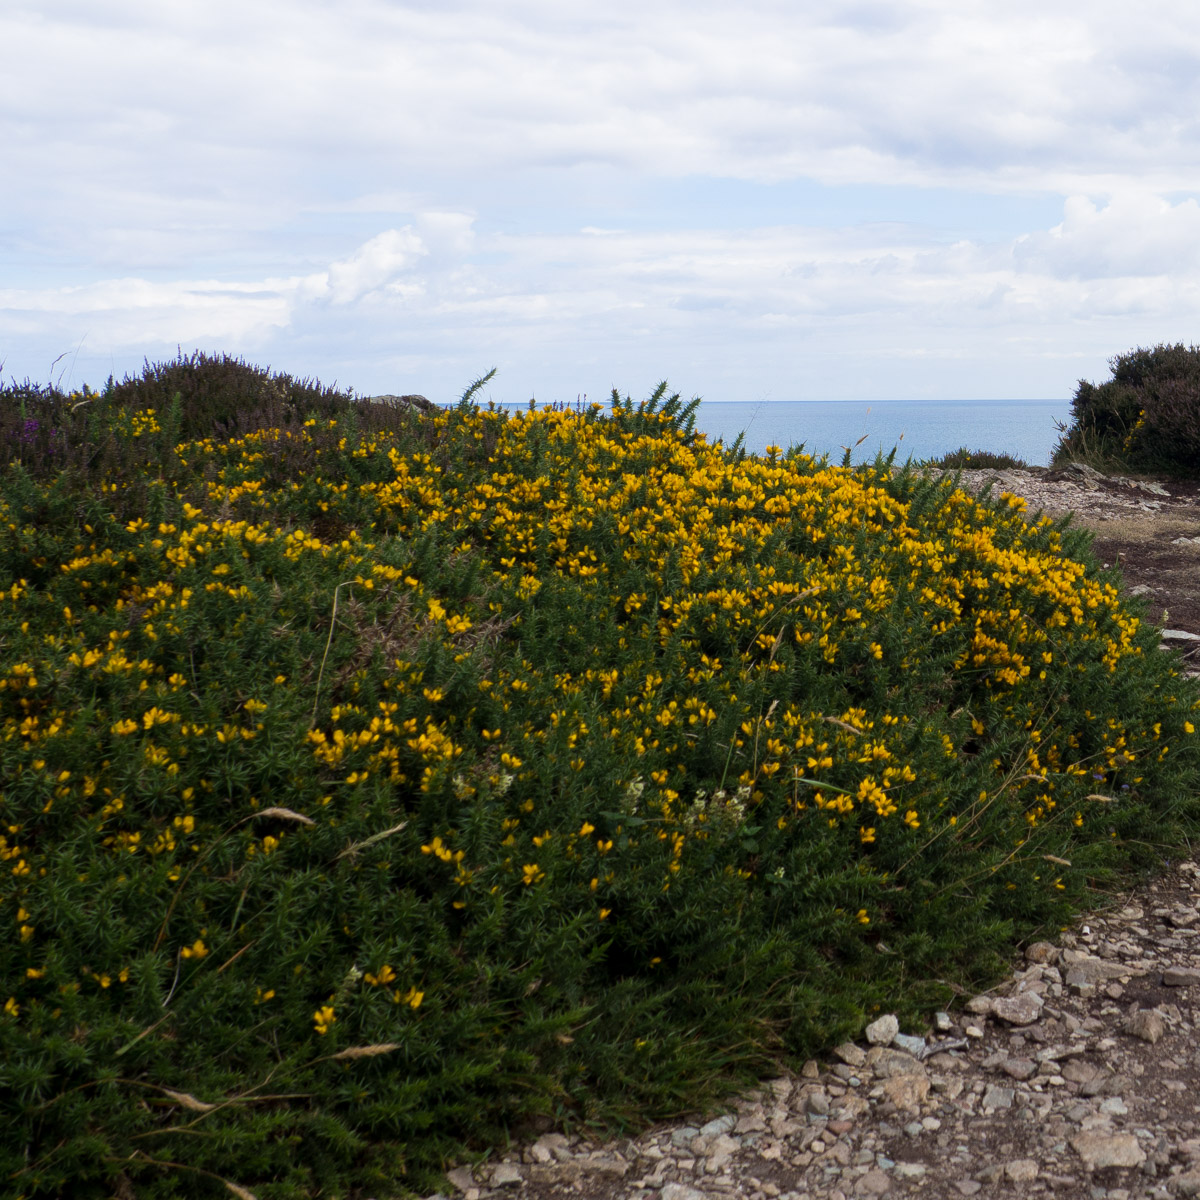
{"x": 977, "y": 460}
{"x": 377, "y": 782}
{"x": 1145, "y": 418}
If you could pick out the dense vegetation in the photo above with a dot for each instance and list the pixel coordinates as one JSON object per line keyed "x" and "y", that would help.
{"x": 1145, "y": 418}
{"x": 375, "y": 780}
{"x": 963, "y": 459}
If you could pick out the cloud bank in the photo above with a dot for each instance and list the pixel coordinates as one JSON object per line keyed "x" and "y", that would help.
{"x": 841, "y": 199}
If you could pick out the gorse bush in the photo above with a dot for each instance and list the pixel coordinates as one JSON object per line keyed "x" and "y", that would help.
{"x": 1146, "y": 417}
{"x": 369, "y": 793}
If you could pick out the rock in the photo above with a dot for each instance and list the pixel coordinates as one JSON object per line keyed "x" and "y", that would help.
{"x": 417, "y": 402}
{"x": 873, "y": 1183}
{"x": 550, "y": 1146}
{"x": 1179, "y": 635}
{"x": 850, "y": 1054}
{"x": 909, "y": 1044}
{"x": 1181, "y": 977}
{"x": 681, "y": 1191}
{"x": 718, "y": 1126}
{"x": 1019, "y": 1068}
{"x": 1022, "y": 1009}
{"x": 462, "y": 1178}
{"x": 722, "y": 1149}
{"x": 1100, "y": 1150}
{"x": 1146, "y": 1024}
{"x": 507, "y": 1175}
{"x": 1021, "y": 1170}
{"x": 910, "y": 1170}
{"x": 942, "y": 1022}
{"x": 1042, "y": 952}
{"x": 980, "y": 1006}
{"x": 906, "y": 1092}
{"x": 1187, "y": 1184}
{"x": 1142, "y": 589}
{"x": 1081, "y": 1072}
{"x": 998, "y": 1097}
{"x": 881, "y": 1032}
{"x": 889, "y": 1063}
{"x": 968, "y": 1187}
{"x": 1086, "y": 970}
{"x": 1079, "y": 470}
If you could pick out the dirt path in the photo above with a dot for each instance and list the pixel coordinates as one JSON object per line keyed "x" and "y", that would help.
{"x": 1078, "y": 1078}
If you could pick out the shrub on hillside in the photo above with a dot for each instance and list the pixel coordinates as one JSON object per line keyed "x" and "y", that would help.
{"x": 963, "y": 459}
{"x": 94, "y": 433}
{"x": 1147, "y": 417}
{"x": 369, "y": 793}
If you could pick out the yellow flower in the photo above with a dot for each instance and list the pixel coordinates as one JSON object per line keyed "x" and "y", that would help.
{"x": 863, "y": 918}
{"x": 12, "y": 1007}
{"x": 323, "y": 1018}
{"x": 196, "y": 950}
{"x": 386, "y": 975}
{"x": 532, "y": 873}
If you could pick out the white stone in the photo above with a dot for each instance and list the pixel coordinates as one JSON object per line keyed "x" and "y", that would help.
{"x": 1022, "y": 1009}
{"x": 1021, "y": 1170}
{"x": 881, "y": 1032}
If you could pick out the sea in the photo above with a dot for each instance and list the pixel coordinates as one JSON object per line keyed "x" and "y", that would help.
{"x": 918, "y": 429}
{"x": 1025, "y": 429}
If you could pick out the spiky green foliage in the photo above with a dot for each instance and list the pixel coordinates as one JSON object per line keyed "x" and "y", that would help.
{"x": 370, "y": 790}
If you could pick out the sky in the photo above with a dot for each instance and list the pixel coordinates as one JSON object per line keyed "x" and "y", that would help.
{"x": 773, "y": 200}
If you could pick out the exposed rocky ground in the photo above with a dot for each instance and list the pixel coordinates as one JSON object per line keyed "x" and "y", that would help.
{"x": 1078, "y": 1077}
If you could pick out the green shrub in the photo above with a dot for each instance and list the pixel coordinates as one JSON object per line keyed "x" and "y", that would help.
{"x": 963, "y": 459}
{"x": 370, "y": 792}
{"x": 1146, "y": 418}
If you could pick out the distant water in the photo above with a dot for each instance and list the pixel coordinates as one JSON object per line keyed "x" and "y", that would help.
{"x": 1022, "y": 428}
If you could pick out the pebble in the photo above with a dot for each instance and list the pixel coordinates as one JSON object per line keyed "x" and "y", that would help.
{"x": 1085, "y": 1095}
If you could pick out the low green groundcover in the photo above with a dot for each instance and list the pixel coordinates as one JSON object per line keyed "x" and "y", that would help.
{"x": 366, "y": 794}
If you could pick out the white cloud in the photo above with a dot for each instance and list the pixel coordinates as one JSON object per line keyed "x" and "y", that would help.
{"x": 372, "y": 265}
{"x": 1134, "y": 234}
{"x": 1019, "y": 95}
{"x": 399, "y": 184}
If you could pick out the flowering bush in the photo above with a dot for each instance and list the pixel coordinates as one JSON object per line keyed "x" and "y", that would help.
{"x": 371, "y": 788}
